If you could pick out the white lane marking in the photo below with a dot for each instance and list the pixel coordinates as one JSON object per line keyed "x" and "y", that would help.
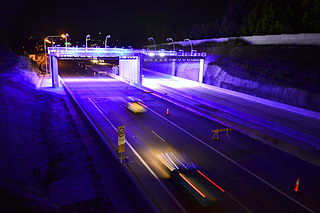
{"x": 142, "y": 161}
{"x": 238, "y": 201}
{"x": 158, "y": 136}
{"x": 234, "y": 162}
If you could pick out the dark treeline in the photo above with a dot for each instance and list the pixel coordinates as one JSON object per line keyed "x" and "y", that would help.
{"x": 260, "y": 17}
{"x": 285, "y": 16}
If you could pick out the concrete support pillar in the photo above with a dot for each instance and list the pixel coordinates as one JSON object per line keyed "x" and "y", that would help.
{"x": 130, "y": 69}
{"x": 201, "y": 70}
{"x": 173, "y": 69}
{"x": 53, "y": 65}
{"x": 139, "y": 73}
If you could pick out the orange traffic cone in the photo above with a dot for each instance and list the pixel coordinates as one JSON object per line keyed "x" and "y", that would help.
{"x": 296, "y": 187}
{"x": 168, "y": 112}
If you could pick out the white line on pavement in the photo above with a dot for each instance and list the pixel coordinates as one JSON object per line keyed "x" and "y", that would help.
{"x": 158, "y": 136}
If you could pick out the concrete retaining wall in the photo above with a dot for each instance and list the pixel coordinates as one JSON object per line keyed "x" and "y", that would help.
{"x": 186, "y": 70}
{"x": 282, "y": 39}
{"x": 216, "y": 76}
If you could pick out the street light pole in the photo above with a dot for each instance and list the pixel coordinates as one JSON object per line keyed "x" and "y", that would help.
{"x": 65, "y": 36}
{"x": 46, "y": 39}
{"x": 190, "y": 44}
{"x": 87, "y": 37}
{"x": 154, "y": 42}
{"x": 170, "y": 39}
{"x": 106, "y": 41}
{"x": 45, "y": 53}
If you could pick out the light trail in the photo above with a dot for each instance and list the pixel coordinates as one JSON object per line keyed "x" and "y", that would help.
{"x": 213, "y": 183}
{"x": 141, "y": 159}
{"x": 193, "y": 186}
{"x": 235, "y": 163}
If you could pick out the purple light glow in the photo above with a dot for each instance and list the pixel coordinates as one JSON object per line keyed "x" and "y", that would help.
{"x": 154, "y": 83}
{"x": 100, "y": 52}
{"x": 80, "y": 80}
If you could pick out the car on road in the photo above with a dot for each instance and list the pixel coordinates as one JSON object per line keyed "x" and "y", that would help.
{"x": 135, "y": 105}
{"x": 188, "y": 176}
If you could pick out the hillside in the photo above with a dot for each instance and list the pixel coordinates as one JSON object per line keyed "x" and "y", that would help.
{"x": 288, "y": 74}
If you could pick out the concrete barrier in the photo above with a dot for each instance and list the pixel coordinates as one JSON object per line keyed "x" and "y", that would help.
{"x": 282, "y": 39}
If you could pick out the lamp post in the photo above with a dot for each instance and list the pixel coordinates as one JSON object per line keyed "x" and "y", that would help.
{"x": 154, "y": 42}
{"x": 87, "y": 38}
{"x": 106, "y": 41}
{"x": 46, "y": 40}
{"x": 170, "y": 39}
{"x": 65, "y": 36}
{"x": 190, "y": 44}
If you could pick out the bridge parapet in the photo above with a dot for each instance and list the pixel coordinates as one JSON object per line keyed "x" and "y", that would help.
{"x": 117, "y": 52}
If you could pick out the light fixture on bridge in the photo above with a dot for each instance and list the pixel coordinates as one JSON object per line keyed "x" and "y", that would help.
{"x": 154, "y": 42}
{"x": 151, "y": 54}
{"x": 47, "y": 41}
{"x": 190, "y": 44}
{"x": 170, "y": 39}
{"x": 87, "y": 38}
{"x": 106, "y": 41}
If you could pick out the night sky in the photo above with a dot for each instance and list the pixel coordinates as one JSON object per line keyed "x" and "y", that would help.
{"x": 129, "y": 22}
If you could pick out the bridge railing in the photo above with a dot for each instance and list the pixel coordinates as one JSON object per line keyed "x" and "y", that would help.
{"x": 81, "y": 51}
{"x": 96, "y": 52}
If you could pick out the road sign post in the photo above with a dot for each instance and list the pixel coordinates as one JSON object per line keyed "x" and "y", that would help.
{"x": 121, "y": 140}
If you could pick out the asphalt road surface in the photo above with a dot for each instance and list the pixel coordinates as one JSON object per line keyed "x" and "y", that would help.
{"x": 255, "y": 177}
{"x": 287, "y": 122}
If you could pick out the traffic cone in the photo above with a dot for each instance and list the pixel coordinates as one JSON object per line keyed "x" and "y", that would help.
{"x": 168, "y": 112}
{"x": 296, "y": 187}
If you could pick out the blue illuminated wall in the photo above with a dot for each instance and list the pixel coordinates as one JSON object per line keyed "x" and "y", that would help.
{"x": 187, "y": 70}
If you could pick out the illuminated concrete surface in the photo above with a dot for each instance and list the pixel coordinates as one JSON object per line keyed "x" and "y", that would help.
{"x": 129, "y": 59}
{"x": 244, "y": 167}
{"x": 301, "y": 128}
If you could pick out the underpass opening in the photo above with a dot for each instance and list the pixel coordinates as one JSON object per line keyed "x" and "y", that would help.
{"x": 88, "y": 67}
{"x": 176, "y": 72}
{"x": 128, "y": 66}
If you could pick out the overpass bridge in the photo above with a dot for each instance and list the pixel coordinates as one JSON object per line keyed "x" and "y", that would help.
{"x": 129, "y": 59}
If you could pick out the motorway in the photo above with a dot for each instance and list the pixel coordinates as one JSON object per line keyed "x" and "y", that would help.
{"x": 307, "y": 129}
{"x": 255, "y": 177}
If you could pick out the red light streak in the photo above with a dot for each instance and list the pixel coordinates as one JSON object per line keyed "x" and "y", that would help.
{"x": 189, "y": 182}
{"x": 208, "y": 179}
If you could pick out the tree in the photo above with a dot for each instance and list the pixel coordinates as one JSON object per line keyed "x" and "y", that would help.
{"x": 233, "y": 19}
{"x": 286, "y": 16}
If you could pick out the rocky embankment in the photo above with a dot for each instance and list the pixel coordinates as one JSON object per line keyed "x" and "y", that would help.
{"x": 287, "y": 74}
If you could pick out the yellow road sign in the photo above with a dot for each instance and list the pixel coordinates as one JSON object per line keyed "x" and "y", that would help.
{"x": 121, "y": 148}
{"x": 121, "y": 135}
